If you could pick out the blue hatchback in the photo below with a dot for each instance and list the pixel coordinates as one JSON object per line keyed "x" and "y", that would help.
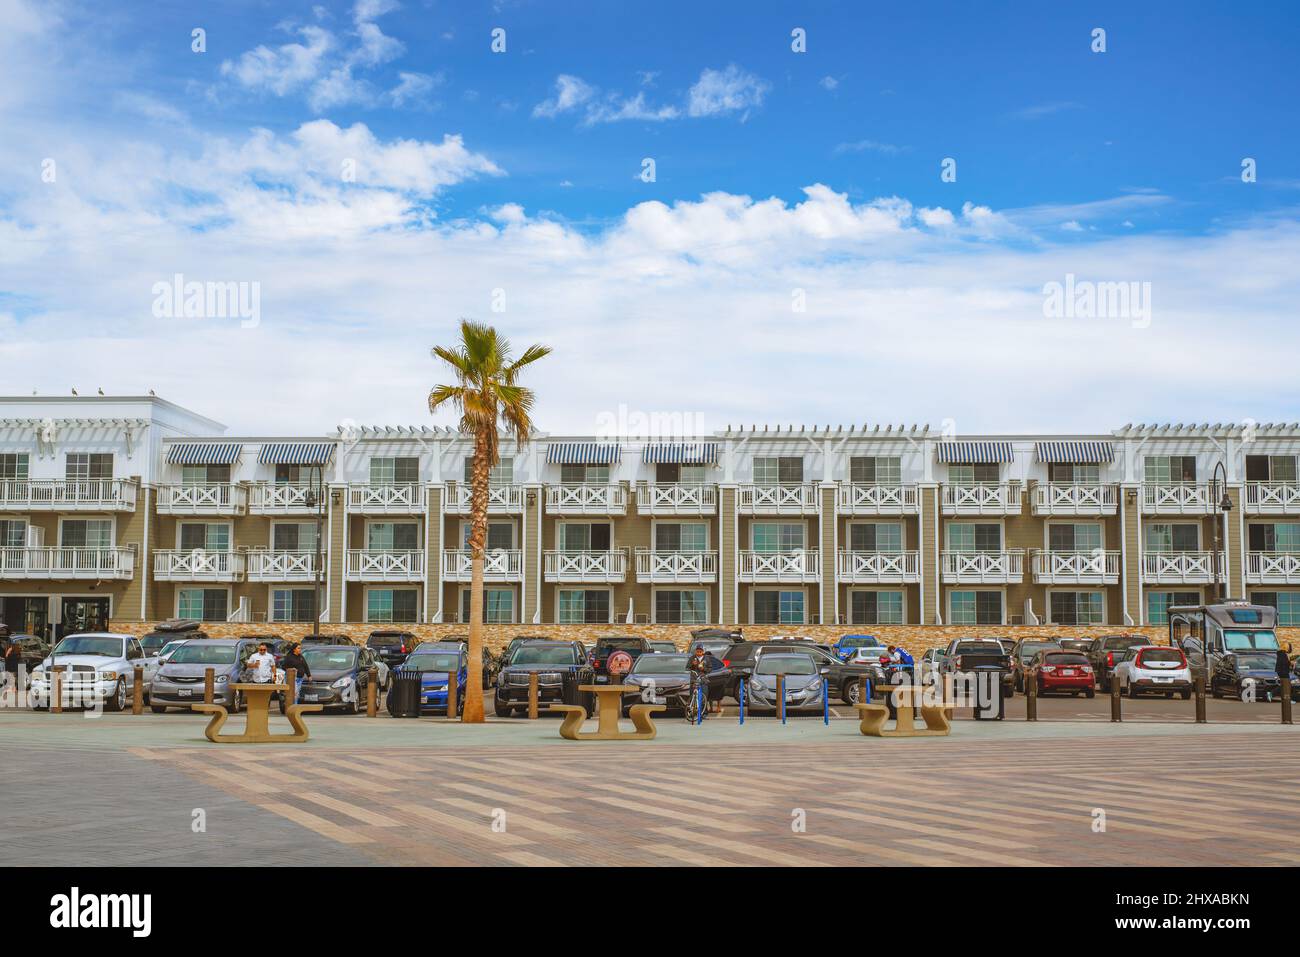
{"x": 435, "y": 666}
{"x": 848, "y": 644}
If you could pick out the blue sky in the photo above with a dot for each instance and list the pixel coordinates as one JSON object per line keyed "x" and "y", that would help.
{"x": 776, "y": 171}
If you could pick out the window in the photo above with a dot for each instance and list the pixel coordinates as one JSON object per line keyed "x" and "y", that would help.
{"x": 13, "y": 467}
{"x": 1158, "y": 603}
{"x": 500, "y": 535}
{"x": 89, "y": 466}
{"x": 778, "y": 608}
{"x": 778, "y": 470}
{"x": 293, "y": 537}
{"x": 876, "y": 537}
{"x": 13, "y": 533}
{"x": 1274, "y": 538}
{"x": 986, "y": 472}
{"x": 875, "y": 470}
{"x": 498, "y": 606}
{"x": 203, "y": 604}
{"x": 395, "y": 605}
{"x": 972, "y": 537}
{"x": 289, "y": 474}
{"x": 1083, "y": 537}
{"x": 876, "y": 607}
{"x": 975, "y": 608}
{"x": 503, "y": 473}
{"x": 681, "y": 536}
{"x": 1068, "y": 473}
{"x": 667, "y": 473}
{"x": 205, "y": 474}
{"x": 87, "y": 533}
{"x": 584, "y": 474}
{"x": 682, "y": 607}
{"x": 395, "y": 471}
{"x": 585, "y": 537}
{"x": 584, "y": 607}
{"x": 777, "y": 537}
{"x": 1280, "y": 469}
{"x": 208, "y": 537}
{"x": 1184, "y": 537}
{"x": 1169, "y": 469}
{"x": 292, "y": 604}
{"x": 1287, "y": 604}
{"x": 1076, "y": 608}
{"x": 393, "y": 537}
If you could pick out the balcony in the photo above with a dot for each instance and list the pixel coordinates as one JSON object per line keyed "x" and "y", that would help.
{"x": 499, "y": 565}
{"x": 1273, "y": 568}
{"x": 384, "y": 566}
{"x": 675, "y": 499}
{"x": 1076, "y": 568}
{"x": 1268, "y": 498}
{"x": 281, "y": 566}
{"x": 802, "y": 565}
{"x": 983, "y": 498}
{"x": 1056, "y": 499}
{"x": 266, "y": 498}
{"x": 222, "y": 499}
{"x": 1180, "y": 568}
{"x": 877, "y": 500}
{"x": 676, "y": 567}
{"x": 197, "y": 565}
{"x": 879, "y": 568}
{"x": 67, "y": 495}
{"x": 586, "y": 500}
{"x": 1186, "y": 499}
{"x": 778, "y": 499}
{"x": 502, "y": 499}
{"x": 386, "y": 499}
{"x": 601, "y": 567}
{"x": 93, "y": 564}
{"x": 984, "y": 568}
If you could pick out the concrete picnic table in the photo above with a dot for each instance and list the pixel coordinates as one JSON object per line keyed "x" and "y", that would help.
{"x": 609, "y": 708}
{"x": 257, "y": 697}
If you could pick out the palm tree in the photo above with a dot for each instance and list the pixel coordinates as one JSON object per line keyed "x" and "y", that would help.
{"x": 487, "y": 396}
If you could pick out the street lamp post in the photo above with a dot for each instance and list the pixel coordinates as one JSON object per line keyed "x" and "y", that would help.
{"x": 1224, "y": 506}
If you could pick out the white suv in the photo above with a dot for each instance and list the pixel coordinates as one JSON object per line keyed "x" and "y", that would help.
{"x": 98, "y": 667}
{"x": 1158, "y": 669}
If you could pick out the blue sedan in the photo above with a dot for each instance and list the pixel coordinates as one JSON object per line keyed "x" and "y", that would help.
{"x": 435, "y": 667}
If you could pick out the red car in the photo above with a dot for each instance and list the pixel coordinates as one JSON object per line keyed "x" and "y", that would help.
{"x": 1064, "y": 671}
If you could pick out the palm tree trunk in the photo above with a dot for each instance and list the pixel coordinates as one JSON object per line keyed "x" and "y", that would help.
{"x": 478, "y": 506}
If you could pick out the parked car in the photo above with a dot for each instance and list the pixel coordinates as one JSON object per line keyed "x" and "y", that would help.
{"x": 1235, "y": 671}
{"x": 501, "y": 660}
{"x": 971, "y": 655}
{"x": 1062, "y": 671}
{"x": 168, "y": 649}
{"x": 663, "y": 647}
{"x": 179, "y": 682}
{"x": 803, "y": 682}
{"x": 1023, "y": 652}
{"x": 844, "y": 677}
{"x": 607, "y": 645}
{"x": 1107, "y": 651}
{"x": 340, "y": 676}
{"x": 391, "y": 647}
{"x": 929, "y": 665}
{"x": 435, "y": 663}
{"x": 32, "y": 649}
{"x": 1154, "y": 668}
{"x": 718, "y": 646}
{"x": 561, "y": 667}
{"x": 848, "y": 645}
{"x": 1076, "y": 644}
{"x": 170, "y": 630}
{"x": 276, "y": 646}
{"x": 99, "y": 667}
{"x": 661, "y": 678}
{"x": 306, "y": 640}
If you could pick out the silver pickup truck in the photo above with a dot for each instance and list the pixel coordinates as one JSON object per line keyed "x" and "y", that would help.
{"x": 98, "y": 669}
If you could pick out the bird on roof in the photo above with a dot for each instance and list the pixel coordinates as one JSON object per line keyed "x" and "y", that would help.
{"x": 101, "y": 390}
{"x": 74, "y": 391}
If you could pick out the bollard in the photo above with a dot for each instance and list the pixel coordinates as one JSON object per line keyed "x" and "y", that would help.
{"x": 1031, "y": 697}
{"x": 1114, "y": 698}
{"x": 209, "y": 678}
{"x": 291, "y": 688}
{"x": 780, "y": 694}
{"x": 864, "y": 690}
{"x": 372, "y": 692}
{"x": 826, "y": 702}
{"x": 137, "y": 691}
{"x": 532, "y": 696}
{"x": 56, "y": 690}
{"x": 1286, "y": 699}
{"x": 740, "y": 697}
{"x": 1200, "y": 699}
{"x": 453, "y": 682}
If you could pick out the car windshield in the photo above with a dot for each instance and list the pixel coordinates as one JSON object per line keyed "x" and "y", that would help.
{"x": 857, "y": 641}
{"x": 1252, "y": 662}
{"x": 384, "y": 641}
{"x": 977, "y": 647}
{"x": 659, "y": 665}
{"x": 1118, "y": 643}
{"x": 1059, "y": 659}
{"x": 712, "y": 647}
{"x": 543, "y": 656}
{"x": 786, "y": 665}
{"x": 1031, "y": 648}
{"x": 194, "y": 654}
{"x": 628, "y": 644}
{"x": 89, "y": 645}
{"x": 170, "y": 647}
{"x": 335, "y": 659}
{"x": 1162, "y": 654}
{"x": 434, "y": 662}
{"x": 1259, "y": 640}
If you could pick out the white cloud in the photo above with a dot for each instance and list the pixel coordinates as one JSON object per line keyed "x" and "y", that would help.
{"x": 829, "y": 83}
{"x": 868, "y": 146}
{"x": 726, "y": 91}
{"x": 413, "y": 88}
{"x": 570, "y": 93}
{"x": 284, "y": 69}
{"x": 575, "y": 95}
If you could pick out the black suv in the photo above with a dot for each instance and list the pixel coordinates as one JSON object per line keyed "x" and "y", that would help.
{"x": 842, "y": 676}
{"x": 607, "y": 645}
{"x": 391, "y": 647}
{"x": 561, "y": 667}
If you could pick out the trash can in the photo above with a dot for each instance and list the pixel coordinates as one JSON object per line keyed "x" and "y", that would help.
{"x": 404, "y": 696}
{"x": 988, "y": 681}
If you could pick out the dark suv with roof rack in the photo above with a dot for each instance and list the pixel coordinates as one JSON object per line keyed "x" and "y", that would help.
{"x": 561, "y": 667}
{"x": 391, "y": 647}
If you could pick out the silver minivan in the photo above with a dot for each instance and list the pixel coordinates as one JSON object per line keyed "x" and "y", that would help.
{"x": 179, "y": 682}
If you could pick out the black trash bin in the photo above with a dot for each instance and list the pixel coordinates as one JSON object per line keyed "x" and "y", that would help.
{"x": 404, "y": 696}
{"x": 988, "y": 681}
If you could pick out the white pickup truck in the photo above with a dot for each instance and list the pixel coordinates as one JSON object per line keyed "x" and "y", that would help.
{"x": 98, "y": 668}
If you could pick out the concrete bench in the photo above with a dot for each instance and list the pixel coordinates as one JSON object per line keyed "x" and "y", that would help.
{"x": 575, "y": 715}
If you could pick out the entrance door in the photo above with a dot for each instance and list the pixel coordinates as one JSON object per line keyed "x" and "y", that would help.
{"x": 26, "y": 616}
{"x": 84, "y": 614}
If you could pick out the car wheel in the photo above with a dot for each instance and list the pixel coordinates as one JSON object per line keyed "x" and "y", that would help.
{"x": 118, "y": 701}
{"x": 350, "y": 707}
{"x": 852, "y": 692}
{"x": 1185, "y": 694}
{"x": 1132, "y": 690}
{"x": 1090, "y": 693}
{"x": 158, "y": 708}
{"x": 1214, "y": 690}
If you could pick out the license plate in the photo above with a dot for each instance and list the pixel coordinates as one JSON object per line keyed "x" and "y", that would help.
{"x": 1164, "y": 679}
{"x": 601, "y": 679}
{"x": 183, "y": 693}
{"x": 310, "y": 697}
{"x": 1068, "y": 672}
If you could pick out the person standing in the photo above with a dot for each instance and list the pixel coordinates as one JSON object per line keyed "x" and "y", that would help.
{"x": 13, "y": 660}
{"x": 295, "y": 660}
{"x": 262, "y": 665}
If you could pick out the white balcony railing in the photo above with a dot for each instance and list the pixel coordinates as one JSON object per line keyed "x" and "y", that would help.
{"x": 676, "y": 499}
{"x": 668, "y": 567}
{"x": 871, "y": 568}
{"x": 1076, "y": 568}
{"x": 386, "y": 499}
{"x": 984, "y": 568}
{"x": 877, "y": 500}
{"x": 220, "y": 499}
{"x": 499, "y": 565}
{"x": 275, "y": 497}
{"x": 67, "y": 495}
{"x": 1273, "y": 568}
{"x": 610, "y": 566}
{"x": 1176, "y": 499}
{"x": 778, "y": 499}
{"x": 197, "y": 565}
{"x": 982, "y": 498}
{"x": 586, "y": 500}
{"x": 1269, "y": 498}
{"x": 115, "y": 563}
{"x": 281, "y": 566}
{"x": 384, "y": 566}
{"x": 802, "y": 565}
{"x": 1181, "y": 568}
{"x": 1053, "y": 498}
{"x": 502, "y": 499}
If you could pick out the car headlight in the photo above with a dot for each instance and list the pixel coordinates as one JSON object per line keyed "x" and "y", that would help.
{"x": 221, "y": 679}
{"x": 344, "y": 682}
{"x": 38, "y": 675}
{"x": 757, "y": 685}
{"x": 108, "y": 676}
{"x": 815, "y": 684}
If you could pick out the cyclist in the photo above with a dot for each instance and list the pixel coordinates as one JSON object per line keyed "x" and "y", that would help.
{"x": 699, "y": 666}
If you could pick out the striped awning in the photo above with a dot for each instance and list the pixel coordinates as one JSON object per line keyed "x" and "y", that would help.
{"x": 1075, "y": 453}
{"x": 296, "y": 453}
{"x": 975, "y": 453}
{"x": 582, "y": 453}
{"x": 203, "y": 453}
{"x": 680, "y": 453}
